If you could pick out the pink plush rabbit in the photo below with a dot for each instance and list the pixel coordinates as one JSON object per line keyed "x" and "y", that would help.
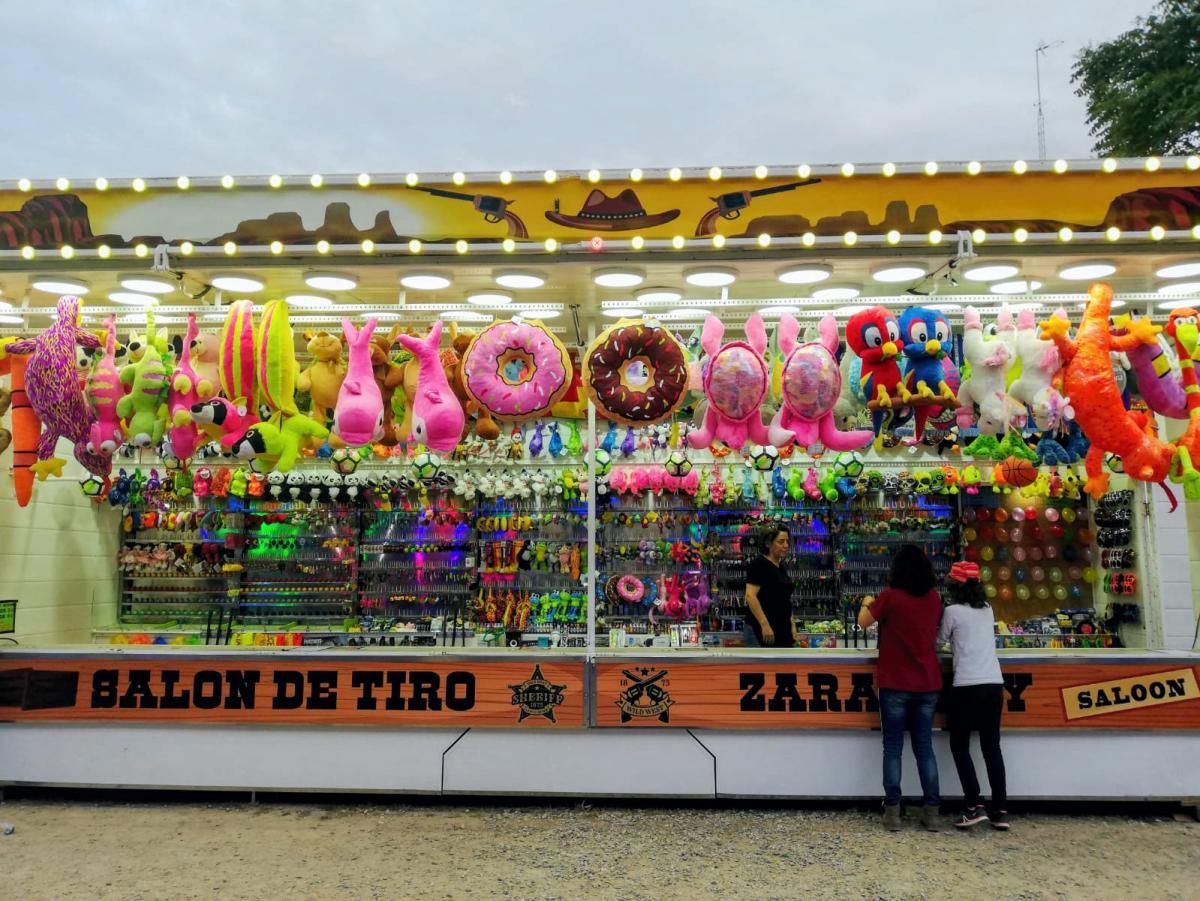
{"x": 437, "y": 416}
{"x": 735, "y": 385}
{"x": 358, "y": 416}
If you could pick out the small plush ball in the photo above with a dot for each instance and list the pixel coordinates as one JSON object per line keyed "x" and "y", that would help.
{"x": 426, "y": 465}
{"x": 677, "y": 464}
{"x": 344, "y": 460}
{"x": 603, "y": 461}
{"x": 764, "y": 457}
{"x": 94, "y": 487}
{"x": 848, "y": 465}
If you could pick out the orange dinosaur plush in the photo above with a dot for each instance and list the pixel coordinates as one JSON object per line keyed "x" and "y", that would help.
{"x": 1088, "y": 381}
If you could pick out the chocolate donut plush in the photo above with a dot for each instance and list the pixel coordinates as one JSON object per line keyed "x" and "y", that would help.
{"x": 636, "y": 374}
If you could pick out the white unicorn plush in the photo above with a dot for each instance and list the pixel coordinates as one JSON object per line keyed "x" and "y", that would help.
{"x": 990, "y": 353}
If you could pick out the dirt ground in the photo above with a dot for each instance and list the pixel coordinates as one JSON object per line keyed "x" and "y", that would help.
{"x": 171, "y": 850}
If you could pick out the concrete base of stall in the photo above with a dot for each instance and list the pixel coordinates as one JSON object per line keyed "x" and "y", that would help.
{"x": 593, "y": 763}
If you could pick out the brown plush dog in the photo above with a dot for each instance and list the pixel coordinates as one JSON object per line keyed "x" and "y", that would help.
{"x": 390, "y": 375}
{"x": 323, "y": 377}
{"x": 485, "y": 427}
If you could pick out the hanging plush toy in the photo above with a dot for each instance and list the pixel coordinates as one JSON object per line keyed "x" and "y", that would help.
{"x": 236, "y": 356}
{"x": 389, "y": 376}
{"x": 1087, "y": 373}
{"x": 485, "y": 427}
{"x": 182, "y": 395}
{"x": 636, "y": 373}
{"x": 990, "y": 354}
{"x": 104, "y": 392}
{"x": 926, "y": 337}
{"x": 1040, "y": 363}
{"x": 205, "y": 352}
{"x": 322, "y": 378}
{"x": 874, "y": 336}
{"x": 516, "y": 370}
{"x": 1158, "y": 375}
{"x": 25, "y": 427}
{"x": 735, "y": 384}
{"x": 358, "y": 417}
{"x": 437, "y": 416}
{"x": 810, "y": 384}
{"x": 220, "y": 418}
{"x": 275, "y": 353}
{"x": 275, "y": 445}
{"x": 143, "y": 409}
{"x": 1182, "y": 329}
{"x": 54, "y": 392}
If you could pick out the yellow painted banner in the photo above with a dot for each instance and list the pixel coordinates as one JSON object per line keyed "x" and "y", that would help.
{"x": 1116, "y": 695}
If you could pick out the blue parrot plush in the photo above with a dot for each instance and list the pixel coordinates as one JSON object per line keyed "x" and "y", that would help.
{"x": 926, "y": 341}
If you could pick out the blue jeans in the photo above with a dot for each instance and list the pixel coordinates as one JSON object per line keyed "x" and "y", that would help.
{"x": 912, "y": 711}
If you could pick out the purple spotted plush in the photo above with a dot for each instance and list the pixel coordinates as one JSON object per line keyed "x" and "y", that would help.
{"x": 55, "y": 394}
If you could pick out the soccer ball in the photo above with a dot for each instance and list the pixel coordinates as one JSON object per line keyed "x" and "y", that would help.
{"x": 677, "y": 464}
{"x": 848, "y": 465}
{"x": 345, "y": 460}
{"x": 603, "y": 462}
{"x": 763, "y": 457}
{"x": 94, "y": 487}
{"x": 426, "y": 465}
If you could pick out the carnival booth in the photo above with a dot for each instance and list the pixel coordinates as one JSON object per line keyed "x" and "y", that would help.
{"x": 476, "y": 462}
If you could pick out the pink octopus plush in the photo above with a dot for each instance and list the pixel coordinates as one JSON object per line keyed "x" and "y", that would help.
{"x": 358, "y": 416}
{"x": 811, "y": 385}
{"x": 55, "y": 393}
{"x": 735, "y": 385}
{"x": 437, "y": 416}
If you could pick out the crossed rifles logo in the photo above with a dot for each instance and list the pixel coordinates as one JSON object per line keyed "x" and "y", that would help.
{"x": 645, "y": 696}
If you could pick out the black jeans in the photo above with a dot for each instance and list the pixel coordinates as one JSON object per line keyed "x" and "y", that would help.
{"x": 977, "y": 708}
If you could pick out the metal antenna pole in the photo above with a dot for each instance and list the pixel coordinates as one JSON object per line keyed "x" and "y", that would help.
{"x": 1041, "y": 118}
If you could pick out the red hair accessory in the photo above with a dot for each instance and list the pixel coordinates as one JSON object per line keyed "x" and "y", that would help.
{"x": 964, "y": 572}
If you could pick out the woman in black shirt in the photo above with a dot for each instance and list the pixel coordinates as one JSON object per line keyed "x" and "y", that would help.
{"x": 769, "y": 591}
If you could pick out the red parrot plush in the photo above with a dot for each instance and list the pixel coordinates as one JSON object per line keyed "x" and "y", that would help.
{"x": 874, "y": 335}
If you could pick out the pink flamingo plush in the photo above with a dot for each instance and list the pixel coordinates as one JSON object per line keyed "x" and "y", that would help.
{"x": 358, "y": 416}
{"x": 55, "y": 394}
{"x": 103, "y": 390}
{"x": 735, "y": 385}
{"x": 437, "y": 416}
{"x": 182, "y": 395}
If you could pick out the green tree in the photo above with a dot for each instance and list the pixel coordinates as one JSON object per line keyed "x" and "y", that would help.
{"x": 1143, "y": 87}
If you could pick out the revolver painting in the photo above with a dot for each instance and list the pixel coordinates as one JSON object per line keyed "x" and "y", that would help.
{"x": 494, "y": 209}
{"x": 730, "y": 206}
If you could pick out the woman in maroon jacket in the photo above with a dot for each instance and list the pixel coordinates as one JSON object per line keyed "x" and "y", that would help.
{"x": 909, "y": 678}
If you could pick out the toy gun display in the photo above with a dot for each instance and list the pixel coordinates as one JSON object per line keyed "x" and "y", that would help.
{"x": 494, "y": 209}
{"x": 730, "y": 206}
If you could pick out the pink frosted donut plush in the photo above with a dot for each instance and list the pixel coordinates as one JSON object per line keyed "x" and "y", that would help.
{"x": 735, "y": 386}
{"x": 516, "y": 370}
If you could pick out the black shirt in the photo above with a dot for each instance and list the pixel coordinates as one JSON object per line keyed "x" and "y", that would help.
{"x": 775, "y": 599}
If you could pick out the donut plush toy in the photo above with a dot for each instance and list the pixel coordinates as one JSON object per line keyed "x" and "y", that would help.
{"x": 811, "y": 383}
{"x": 516, "y": 370}
{"x": 636, "y": 374}
{"x": 735, "y": 385}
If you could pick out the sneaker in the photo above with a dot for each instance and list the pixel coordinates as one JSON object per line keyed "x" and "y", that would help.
{"x": 929, "y": 818}
{"x": 972, "y": 816}
{"x": 1000, "y": 820}
{"x": 891, "y": 817}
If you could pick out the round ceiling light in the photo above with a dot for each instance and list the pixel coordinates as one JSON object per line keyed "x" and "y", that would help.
{"x": 12, "y": 320}
{"x": 1016, "y": 286}
{"x": 618, "y": 277}
{"x": 622, "y": 312}
{"x": 1179, "y": 270}
{"x": 842, "y": 291}
{"x": 687, "y": 313}
{"x": 425, "y": 281}
{"x": 710, "y": 276}
{"x": 132, "y": 298}
{"x": 1176, "y": 288}
{"x": 520, "y": 278}
{"x": 1177, "y": 303}
{"x": 1082, "y": 272}
{"x": 309, "y": 301}
{"x": 539, "y": 314}
{"x": 899, "y": 272}
{"x": 990, "y": 271}
{"x": 850, "y": 309}
{"x": 466, "y": 316}
{"x": 330, "y": 281}
{"x": 58, "y": 284}
{"x": 808, "y": 274}
{"x": 658, "y": 295}
{"x": 490, "y": 298}
{"x": 145, "y": 284}
{"x": 944, "y": 307}
{"x": 779, "y": 310}
{"x": 234, "y": 281}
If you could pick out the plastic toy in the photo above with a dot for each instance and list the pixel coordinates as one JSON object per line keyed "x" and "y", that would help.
{"x": 54, "y": 393}
{"x": 104, "y": 391}
{"x": 735, "y": 385}
{"x": 925, "y": 336}
{"x": 810, "y": 384}
{"x": 437, "y": 416}
{"x": 516, "y": 370}
{"x": 636, "y": 373}
{"x": 358, "y": 417}
{"x": 990, "y": 354}
{"x": 1034, "y": 387}
{"x": 236, "y": 362}
{"x": 1087, "y": 373}
{"x": 873, "y": 335}
{"x": 182, "y": 395}
{"x": 322, "y": 378}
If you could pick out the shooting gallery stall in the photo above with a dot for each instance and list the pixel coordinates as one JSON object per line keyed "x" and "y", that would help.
{"x": 462, "y": 472}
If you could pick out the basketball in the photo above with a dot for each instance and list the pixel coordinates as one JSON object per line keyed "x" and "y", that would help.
{"x": 1018, "y": 473}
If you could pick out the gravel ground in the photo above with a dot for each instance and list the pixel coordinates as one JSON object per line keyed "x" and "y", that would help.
{"x": 156, "y": 852}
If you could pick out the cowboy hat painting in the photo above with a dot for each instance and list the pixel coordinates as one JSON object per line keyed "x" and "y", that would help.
{"x": 612, "y": 214}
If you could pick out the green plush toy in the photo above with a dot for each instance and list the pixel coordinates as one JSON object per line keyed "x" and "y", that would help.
{"x": 827, "y": 484}
{"x": 143, "y": 409}
{"x": 276, "y": 443}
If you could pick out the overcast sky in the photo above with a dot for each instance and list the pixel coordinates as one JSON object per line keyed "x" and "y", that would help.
{"x": 139, "y": 87}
